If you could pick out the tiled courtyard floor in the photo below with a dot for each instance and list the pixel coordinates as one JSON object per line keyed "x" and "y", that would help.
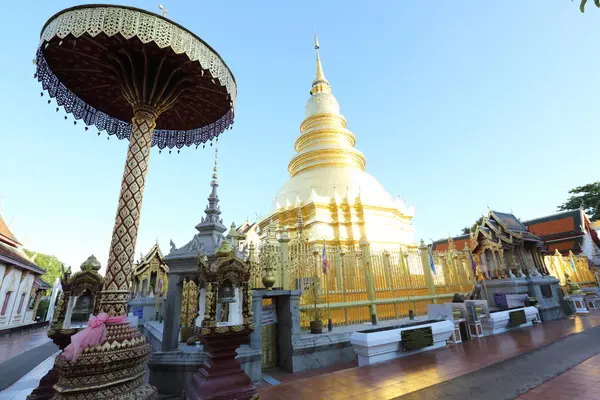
{"x": 405, "y": 375}
{"x": 581, "y": 382}
{"x": 18, "y": 343}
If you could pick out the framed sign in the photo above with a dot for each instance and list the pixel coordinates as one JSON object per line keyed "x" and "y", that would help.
{"x": 414, "y": 339}
{"x": 138, "y": 311}
{"x": 516, "y": 318}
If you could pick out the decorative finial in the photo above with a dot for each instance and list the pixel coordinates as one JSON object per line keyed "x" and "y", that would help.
{"x": 164, "y": 10}
{"x": 215, "y": 168}
{"x": 91, "y": 264}
{"x": 320, "y": 84}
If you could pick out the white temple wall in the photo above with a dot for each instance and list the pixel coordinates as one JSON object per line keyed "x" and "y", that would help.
{"x": 56, "y": 290}
{"x": 18, "y": 316}
{"x": 10, "y": 284}
{"x": 235, "y": 309}
{"x": 201, "y": 305}
{"x": 2, "y": 270}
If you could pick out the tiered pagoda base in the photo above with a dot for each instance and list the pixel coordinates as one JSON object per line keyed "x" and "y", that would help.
{"x": 113, "y": 370}
{"x": 45, "y": 390}
{"x": 221, "y": 377}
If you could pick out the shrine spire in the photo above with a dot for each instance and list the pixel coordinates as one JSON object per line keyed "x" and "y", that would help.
{"x": 212, "y": 211}
{"x": 320, "y": 84}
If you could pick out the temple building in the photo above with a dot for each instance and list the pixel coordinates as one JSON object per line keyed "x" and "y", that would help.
{"x": 248, "y": 233}
{"x": 502, "y": 246}
{"x": 339, "y": 202}
{"x": 21, "y": 285}
{"x": 568, "y": 231}
{"x": 149, "y": 274}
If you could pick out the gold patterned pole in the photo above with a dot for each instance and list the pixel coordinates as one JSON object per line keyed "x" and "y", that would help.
{"x": 114, "y": 295}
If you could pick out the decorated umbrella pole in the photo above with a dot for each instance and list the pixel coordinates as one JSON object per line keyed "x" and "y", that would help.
{"x": 141, "y": 77}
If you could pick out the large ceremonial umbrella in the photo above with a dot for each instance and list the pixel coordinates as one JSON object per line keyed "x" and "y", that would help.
{"x": 144, "y": 78}
{"x": 141, "y": 77}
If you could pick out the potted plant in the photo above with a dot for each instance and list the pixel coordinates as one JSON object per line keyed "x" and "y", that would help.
{"x": 531, "y": 301}
{"x": 313, "y": 292}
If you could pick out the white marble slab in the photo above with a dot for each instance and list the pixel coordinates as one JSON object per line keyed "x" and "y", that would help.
{"x": 375, "y": 347}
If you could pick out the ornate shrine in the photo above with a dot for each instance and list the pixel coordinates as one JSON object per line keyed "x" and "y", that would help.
{"x": 149, "y": 274}
{"x": 226, "y": 281}
{"x": 83, "y": 284}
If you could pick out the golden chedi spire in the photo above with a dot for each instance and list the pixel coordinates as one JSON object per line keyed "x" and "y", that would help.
{"x": 325, "y": 159}
{"x": 324, "y": 140}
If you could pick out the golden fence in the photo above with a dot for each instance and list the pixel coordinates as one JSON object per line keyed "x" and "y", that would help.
{"x": 575, "y": 267}
{"x": 364, "y": 283}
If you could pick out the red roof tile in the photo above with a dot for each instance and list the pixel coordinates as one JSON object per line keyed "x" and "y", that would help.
{"x": 6, "y": 234}
{"x": 13, "y": 256}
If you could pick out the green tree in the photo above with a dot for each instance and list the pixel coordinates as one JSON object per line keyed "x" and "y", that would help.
{"x": 467, "y": 230}
{"x": 586, "y": 197}
{"x": 582, "y": 4}
{"x": 50, "y": 264}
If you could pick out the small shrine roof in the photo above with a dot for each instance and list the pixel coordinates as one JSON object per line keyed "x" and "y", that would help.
{"x": 145, "y": 260}
{"x": 245, "y": 227}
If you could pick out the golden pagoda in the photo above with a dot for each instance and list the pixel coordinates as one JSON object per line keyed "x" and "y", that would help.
{"x": 338, "y": 202}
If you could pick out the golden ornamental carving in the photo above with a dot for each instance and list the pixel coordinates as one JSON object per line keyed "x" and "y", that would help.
{"x": 248, "y": 303}
{"x": 209, "y": 306}
{"x": 189, "y": 303}
{"x": 222, "y": 329}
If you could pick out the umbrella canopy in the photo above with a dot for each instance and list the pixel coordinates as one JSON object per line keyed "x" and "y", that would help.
{"x": 100, "y": 62}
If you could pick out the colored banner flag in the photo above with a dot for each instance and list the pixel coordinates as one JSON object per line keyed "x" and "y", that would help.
{"x": 473, "y": 264}
{"x": 431, "y": 263}
{"x": 324, "y": 262}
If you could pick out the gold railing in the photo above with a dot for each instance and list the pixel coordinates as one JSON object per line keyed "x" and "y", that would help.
{"x": 578, "y": 270}
{"x": 362, "y": 282}
{"x": 366, "y": 282}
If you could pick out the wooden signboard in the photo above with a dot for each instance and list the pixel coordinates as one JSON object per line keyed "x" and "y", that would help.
{"x": 516, "y": 318}
{"x": 414, "y": 339}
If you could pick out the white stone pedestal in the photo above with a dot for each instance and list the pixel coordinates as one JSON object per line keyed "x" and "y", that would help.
{"x": 578, "y": 303}
{"x": 498, "y": 321}
{"x": 592, "y": 302}
{"x": 375, "y": 347}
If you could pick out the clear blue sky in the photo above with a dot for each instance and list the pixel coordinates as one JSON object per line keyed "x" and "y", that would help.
{"x": 456, "y": 107}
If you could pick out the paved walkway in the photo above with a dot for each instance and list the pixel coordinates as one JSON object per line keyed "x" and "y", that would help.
{"x": 402, "y": 376}
{"x": 24, "y": 386}
{"x": 582, "y": 382}
{"x": 18, "y": 343}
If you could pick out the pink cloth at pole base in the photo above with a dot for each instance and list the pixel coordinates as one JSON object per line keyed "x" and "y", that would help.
{"x": 93, "y": 335}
